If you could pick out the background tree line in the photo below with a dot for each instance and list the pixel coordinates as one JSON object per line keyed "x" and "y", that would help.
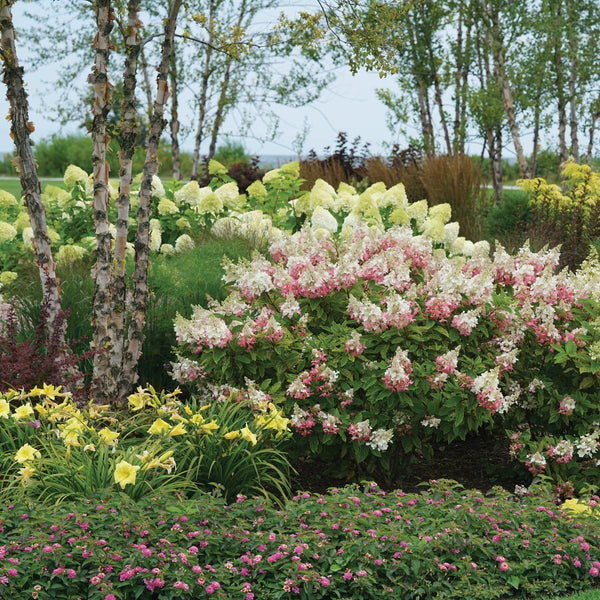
{"x": 499, "y": 71}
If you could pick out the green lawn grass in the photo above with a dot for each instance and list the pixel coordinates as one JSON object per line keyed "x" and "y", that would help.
{"x": 13, "y": 185}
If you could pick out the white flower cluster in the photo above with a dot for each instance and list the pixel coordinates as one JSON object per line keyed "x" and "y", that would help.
{"x": 203, "y": 329}
{"x": 587, "y": 445}
{"x": 381, "y": 439}
{"x": 431, "y": 421}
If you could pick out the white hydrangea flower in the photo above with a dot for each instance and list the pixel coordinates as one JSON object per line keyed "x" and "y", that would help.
{"x": 381, "y": 439}
{"x": 443, "y": 212}
{"x": 27, "y": 236}
{"x": 21, "y": 221}
{"x": 458, "y": 245}
{"x": 481, "y": 249}
{"x": 74, "y": 174}
{"x": 322, "y": 195}
{"x": 183, "y": 223}
{"x": 167, "y": 249}
{"x": 272, "y": 175}
{"x": 468, "y": 248}
{"x": 7, "y": 232}
{"x": 587, "y": 445}
{"x": 290, "y": 306}
{"x": 434, "y": 228}
{"x": 225, "y": 227}
{"x": 184, "y": 242}
{"x": 216, "y": 168}
{"x": 69, "y": 254}
{"x": 167, "y": 207}
{"x": 431, "y": 421}
{"x": 228, "y": 193}
{"x": 537, "y": 459}
{"x": 353, "y": 221}
{"x": 395, "y": 196}
{"x": 418, "y": 211}
{"x": 347, "y": 197}
{"x": 209, "y": 203}
{"x": 155, "y": 240}
{"x": 323, "y": 219}
{"x": 6, "y": 278}
{"x": 450, "y": 234}
{"x": 189, "y": 194}
{"x": 7, "y": 200}
{"x": 257, "y": 190}
{"x": 158, "y": 190}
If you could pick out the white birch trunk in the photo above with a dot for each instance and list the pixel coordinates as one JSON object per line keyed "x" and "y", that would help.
{"x": 127, "y": 140}
{"x": 30, "y": 183}
{"x": 140, "y": 276}
{"x": 102, "y": 269}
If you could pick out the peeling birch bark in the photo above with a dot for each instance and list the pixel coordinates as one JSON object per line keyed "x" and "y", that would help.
{"x": 174, "y": 124}
{"x": 21, "y": 128}
{"x": 102, "y": 269}
{"x": 127, "y": 140}
{"x": 140, "y": 275}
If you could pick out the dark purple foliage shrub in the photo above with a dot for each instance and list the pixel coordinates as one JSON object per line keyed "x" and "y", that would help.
{"x": 29, "y": 357}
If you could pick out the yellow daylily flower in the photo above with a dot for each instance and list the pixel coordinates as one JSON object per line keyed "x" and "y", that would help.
{"x": 247, "y": 435}
{"x": 23, "y": 412}
{"x": 51, "y": 392}
{"x": 277, "y": 421}
{"x": 164, "y": 461}
{"x": 137, "y": 401}
{"x": 25, "y": 474}
{"x": 108, "y": 436}
{"x": 197, "y": 419}
{"x": 177, "y": 417}
{"x": 95, "y": 410}
{"x": 208, "y": 428}
{"x": 231, "y": 435}
{"x": 35, "y": 392}
{"x": 125, "y": 473}
{"x": 26, "y": 453}
{"x": 159, "y": 427}
{"x": 4, "y": 409}
{"x": 41, "y": 409}
{"x": 70, "y": 437}
{"x": 165, "y": 456}
{"x": 74, "y": 424}
{"x": 64, "y": 410}
{"x": 179, "y": 429}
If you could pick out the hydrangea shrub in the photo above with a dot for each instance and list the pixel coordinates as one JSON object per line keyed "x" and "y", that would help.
{"x": 384, "y": 342}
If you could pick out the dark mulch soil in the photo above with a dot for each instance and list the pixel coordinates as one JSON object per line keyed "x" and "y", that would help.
{"x": 481, "y": 462}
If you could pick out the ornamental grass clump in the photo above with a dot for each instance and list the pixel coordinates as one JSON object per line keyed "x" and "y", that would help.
{"x": 352, "y": 542}
{"x": 380, "y": 344}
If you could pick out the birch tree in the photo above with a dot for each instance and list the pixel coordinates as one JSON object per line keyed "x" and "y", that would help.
{"x": 21, "y": 128}
{"x": 115, "y": 370}
{"x": 503, "y": 27}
